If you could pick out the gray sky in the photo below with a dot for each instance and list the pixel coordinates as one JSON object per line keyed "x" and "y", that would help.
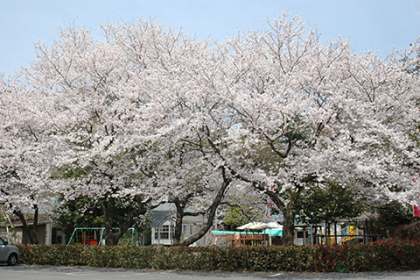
{"x": 369, "y": 24}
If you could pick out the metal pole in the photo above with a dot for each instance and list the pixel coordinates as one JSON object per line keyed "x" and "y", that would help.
{"x": 132, "y": 236}
{"x": 335, "y": 232}
{"x": 74, "y": 231}
{"x": 102, "y": 234}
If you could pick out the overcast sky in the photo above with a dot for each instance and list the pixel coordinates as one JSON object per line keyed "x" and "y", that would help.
{"x": 369, "y": 24}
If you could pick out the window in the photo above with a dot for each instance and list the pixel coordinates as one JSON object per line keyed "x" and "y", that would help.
{"x": 57, "y": 236}
{"x": 184, "y": 228}
{"x": 191, "y": 229}
{"x": 164, "y": 232}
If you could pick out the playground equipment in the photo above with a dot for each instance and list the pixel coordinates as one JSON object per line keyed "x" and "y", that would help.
{"x": 89, "y": 236}
{"x": 348, "y": 234}
{"x": 353, "y": 234}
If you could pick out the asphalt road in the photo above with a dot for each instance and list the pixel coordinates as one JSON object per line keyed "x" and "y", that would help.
{"x": 75, "y": 273}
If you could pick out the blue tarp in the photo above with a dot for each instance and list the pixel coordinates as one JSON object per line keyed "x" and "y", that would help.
{"x": 274, "y": 232}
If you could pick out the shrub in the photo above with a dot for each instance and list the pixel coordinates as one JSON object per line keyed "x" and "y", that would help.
{"x": 384, "y": 255}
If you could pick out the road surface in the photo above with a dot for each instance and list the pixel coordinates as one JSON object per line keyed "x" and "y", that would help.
{"x": 24, "y": 272}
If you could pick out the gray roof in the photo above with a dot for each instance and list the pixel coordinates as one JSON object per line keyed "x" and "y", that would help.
{"x": 160, "y": 217}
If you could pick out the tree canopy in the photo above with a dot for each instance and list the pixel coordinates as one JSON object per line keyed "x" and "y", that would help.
{"x": 149, "y": 115}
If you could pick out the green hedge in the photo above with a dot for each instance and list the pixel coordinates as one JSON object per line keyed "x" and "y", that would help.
{"x": 383, "y": 255}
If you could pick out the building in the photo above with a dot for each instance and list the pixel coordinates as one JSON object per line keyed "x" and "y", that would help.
{"x": 163, "y": 227}
{"x": 12, "y": 229}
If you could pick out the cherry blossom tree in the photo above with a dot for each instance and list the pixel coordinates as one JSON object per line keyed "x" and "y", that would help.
{"x": 281, "y": 109}
{"x": 112, "y": 108}
{"x": 91, "y": 111}
{"x": 193, "y": 185}
{"x": 278, "y": 108}
{"x": 148, "y": 115}
{"x": 24, "y": 157}
{"x": 322, "y": 112}
{"x": 175, "y": 157}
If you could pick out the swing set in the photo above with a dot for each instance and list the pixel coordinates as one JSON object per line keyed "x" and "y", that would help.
{"x": 93, "y": 236}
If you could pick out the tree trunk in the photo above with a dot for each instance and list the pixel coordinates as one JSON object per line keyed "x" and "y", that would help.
{"x": 287, "y": 210}
{"x": 288, "y": 226}
{"x": 212, "y": 211}
{"x": 112, "y": 237}
{"x": 178, "y": 223}
{"x": 29, "y": 231}
{"x": 109, "y": 210}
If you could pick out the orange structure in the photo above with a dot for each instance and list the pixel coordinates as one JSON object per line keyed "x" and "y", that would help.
{"x": 233, "y": 239}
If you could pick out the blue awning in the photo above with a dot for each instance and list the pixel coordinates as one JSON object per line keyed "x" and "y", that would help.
{"x": 274, "y": 232}
{"x": 221, "y": 232}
